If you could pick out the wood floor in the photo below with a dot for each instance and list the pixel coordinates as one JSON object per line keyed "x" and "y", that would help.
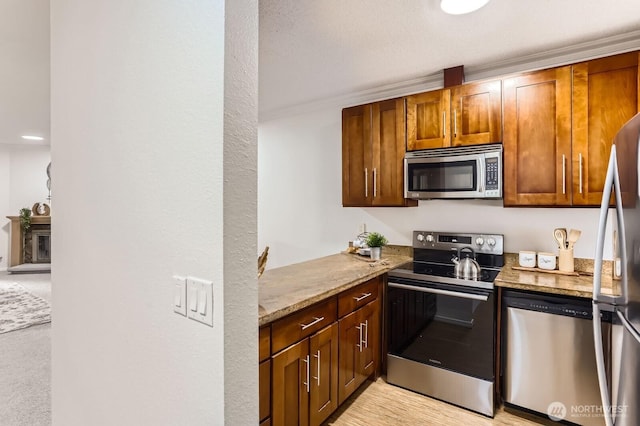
{"x": 380, "y": 404}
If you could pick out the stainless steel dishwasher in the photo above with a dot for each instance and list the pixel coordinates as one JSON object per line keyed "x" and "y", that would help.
{"x": 549, "y": 363}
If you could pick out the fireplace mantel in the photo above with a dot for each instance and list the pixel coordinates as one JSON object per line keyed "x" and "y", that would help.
{"x": 16, "y": 252}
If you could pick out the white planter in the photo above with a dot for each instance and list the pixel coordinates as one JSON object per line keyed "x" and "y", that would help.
{"x": 375, "y": 253}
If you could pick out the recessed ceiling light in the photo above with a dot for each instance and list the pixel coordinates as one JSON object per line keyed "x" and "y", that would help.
{"x": 33, "y": 138}
{"x": 460, "y": 7}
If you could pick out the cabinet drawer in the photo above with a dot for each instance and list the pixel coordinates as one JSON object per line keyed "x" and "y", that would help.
{"x": 265, "y": 343}
{"x": 350, "y": 300}
{"x": 291, "y": 329}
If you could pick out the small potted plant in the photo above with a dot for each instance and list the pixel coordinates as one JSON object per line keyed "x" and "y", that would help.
{"x": 376, "y": 241}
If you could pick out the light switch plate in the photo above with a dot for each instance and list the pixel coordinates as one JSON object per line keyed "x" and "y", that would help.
{"x": 200, "y": 309}
{"x": 180, "y": 295}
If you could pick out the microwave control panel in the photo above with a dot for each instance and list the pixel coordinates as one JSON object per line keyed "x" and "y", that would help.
{"x": 492, "y": 178}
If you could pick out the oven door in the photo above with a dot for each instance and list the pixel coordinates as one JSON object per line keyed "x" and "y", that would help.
{"x": 442, "y": 325}
{"x": 444, "y": 177}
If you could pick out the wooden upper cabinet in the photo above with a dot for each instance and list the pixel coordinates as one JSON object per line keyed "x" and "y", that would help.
{"x": 356, "y": 155}
{"x": 428, "y": 118}
{"x": 373, "y": 148}
{"x": 476, "y": 111}
{"x": 537, "y": 138}
{"x": 388, "y": 149}
{"x": 605, "y": 96}
{"x": 469, "y": 114}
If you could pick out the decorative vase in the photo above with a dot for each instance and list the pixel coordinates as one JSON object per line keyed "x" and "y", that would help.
{"x": 375, "y": 253}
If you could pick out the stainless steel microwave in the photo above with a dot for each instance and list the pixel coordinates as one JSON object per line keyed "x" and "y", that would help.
{"x": 456, "y": 172}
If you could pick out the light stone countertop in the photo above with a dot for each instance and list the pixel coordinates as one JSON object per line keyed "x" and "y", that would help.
{"x": 291, "y": 288}
{"x": 581, "y": 286}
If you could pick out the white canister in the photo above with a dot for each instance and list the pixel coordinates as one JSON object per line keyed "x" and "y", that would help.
{"x": 527, "y": 259}
{"x": 547, "y": 261}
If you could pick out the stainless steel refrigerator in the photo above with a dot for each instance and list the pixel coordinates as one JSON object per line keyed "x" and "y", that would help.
{"x": 620, "y": 380}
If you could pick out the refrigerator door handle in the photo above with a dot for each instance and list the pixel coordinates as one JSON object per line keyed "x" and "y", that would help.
{"x": 612, "y": 182}
{"x": 600, "y": 364}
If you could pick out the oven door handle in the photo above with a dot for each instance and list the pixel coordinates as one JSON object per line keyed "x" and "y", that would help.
{"x": 461, "y": 295}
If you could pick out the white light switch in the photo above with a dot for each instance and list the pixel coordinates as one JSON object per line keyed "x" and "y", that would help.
{"x": 200, "y": 300}
{"x": 180, "y": 295}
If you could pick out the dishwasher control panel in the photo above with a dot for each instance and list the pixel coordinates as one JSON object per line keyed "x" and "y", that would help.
{"x": 551, "y": 304}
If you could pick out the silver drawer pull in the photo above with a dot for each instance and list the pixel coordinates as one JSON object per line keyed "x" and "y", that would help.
{"x": 360, "y": 341}
{"x": 364, "y": 296}
{"x": 314, "y": 322}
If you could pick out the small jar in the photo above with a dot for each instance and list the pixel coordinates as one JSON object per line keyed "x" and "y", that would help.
{"x": 527, "y": 259}
{"x": 547, "y": 261}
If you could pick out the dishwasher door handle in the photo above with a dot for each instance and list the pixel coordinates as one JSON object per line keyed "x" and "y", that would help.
{"x": 459, "y": 294}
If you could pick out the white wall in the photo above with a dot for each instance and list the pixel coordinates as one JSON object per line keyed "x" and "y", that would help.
{"x": 23, "y": 182}
{"x": 140, "y": 118}
{"x": 300, "y": 213}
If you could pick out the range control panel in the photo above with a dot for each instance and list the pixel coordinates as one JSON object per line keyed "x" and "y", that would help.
{"x": 480, "y": 243}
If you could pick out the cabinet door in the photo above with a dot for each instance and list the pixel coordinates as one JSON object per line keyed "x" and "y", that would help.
{"x": 605, "y": 96}
{"x": 428, "y": 118}
{"x": 369, "y": 318}
{"x": 323, "y": 397}
{"x": 537, "y": 138}
{"x": 265, "y": 389}
{"x": 356, "y": 156}
{"x": 349, "y": 347}
{"x": 290, "y": 377}
{"x": 476, "y": 109}
{"x": 388, "y": 134}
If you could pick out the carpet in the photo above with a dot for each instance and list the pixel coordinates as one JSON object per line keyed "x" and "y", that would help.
{"x": 21, "y": 309}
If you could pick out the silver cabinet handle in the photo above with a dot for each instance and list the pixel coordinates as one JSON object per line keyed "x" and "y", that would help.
{"x": 364, "y": 296}
{"x": 375, "y": 192}
{"x": 366, "y": 182}
{"x": 564, "y": 174}
{"x": 359, "y": 345}
{"x": 306, "y": 361}
{"x": 317, "y": 356}
{"x": 314, "y": 322}
{"x": 455, "y": 123}
{"x": 444, "y": 123}
{"x": 366, "y": 333}
{"x": 580, "y": 170}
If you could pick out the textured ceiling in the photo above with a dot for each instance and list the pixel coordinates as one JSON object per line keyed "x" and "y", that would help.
{"x": 316, "y": 49}
{"x": 312, "y": 50}
{"x": 24, "y": 70}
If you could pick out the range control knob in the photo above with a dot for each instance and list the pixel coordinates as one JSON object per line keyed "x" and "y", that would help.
{"x": 429, "y": 238}
{"x": 479, "y": 241}
{"x": 420, "y": 238}
{"x": 491, "y": 241}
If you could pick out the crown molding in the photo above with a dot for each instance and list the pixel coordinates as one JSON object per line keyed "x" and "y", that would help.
{"x": 584, "y": 51}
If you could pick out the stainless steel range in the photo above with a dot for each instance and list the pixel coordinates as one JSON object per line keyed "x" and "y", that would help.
{"x": 441, "y": 313}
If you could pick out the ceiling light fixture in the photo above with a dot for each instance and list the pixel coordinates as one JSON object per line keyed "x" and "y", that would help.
{"x": 33, "y": 138}
{"x": 460, "y": 7}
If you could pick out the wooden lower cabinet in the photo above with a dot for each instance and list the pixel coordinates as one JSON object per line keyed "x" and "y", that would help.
{"x": 265, "y": 389}
{"x": 305, "y": 380}
{"x": 359, "y": 348}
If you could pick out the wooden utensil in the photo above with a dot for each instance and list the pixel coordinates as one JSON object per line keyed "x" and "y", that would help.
{"x": 560, "y": 234}
{"x": 573, "y": 236}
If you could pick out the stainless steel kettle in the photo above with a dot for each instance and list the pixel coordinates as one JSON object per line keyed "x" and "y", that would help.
{"x": 466, "y": 268}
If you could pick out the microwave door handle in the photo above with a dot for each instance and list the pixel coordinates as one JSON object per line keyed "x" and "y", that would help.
{"x": 481, "y": 175}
